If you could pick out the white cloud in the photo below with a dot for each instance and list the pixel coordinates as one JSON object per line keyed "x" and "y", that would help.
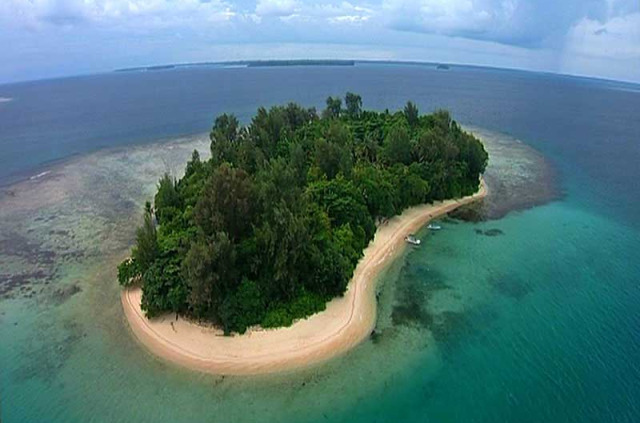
{"x": 147, "y": 13}
{"x": 449, "y": 16}
{"x": 295, "y": 11}
{"x": 276, "y": 7}
{"x": 344, "y": 11}
{"x": 349, "y": 19}
{"x": 617, "y": 38}
{"x": 611, "y": 48}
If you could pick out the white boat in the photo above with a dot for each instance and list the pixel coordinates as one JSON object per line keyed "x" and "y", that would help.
{"x": 412, "y": 240}
{"x": 434, "y": 227}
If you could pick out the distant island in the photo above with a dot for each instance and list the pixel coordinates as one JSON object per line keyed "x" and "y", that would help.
{"x": 271, "y": 227}
{"x": 265, "y": 63}
{"x": 442, "y": 66}
{"x": 244, "y": 63}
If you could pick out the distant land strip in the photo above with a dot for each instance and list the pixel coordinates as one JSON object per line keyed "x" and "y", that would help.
{"x": 246, "y": 63}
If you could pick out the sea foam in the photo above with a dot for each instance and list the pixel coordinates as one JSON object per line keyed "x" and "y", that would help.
{"x": 39, "y": 175}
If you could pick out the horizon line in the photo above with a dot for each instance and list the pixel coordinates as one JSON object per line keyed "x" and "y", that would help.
{"x": 172, "y": 66}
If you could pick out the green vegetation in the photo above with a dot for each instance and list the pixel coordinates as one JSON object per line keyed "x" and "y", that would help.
{"x": 272, "y": 226}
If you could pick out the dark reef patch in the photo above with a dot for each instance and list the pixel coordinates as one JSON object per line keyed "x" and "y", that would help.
{"x": 411, "y": 313}
{"x": 46, "y": 359}
{"x": 489, "y": 232}
{"x": 31, "y": 252}
{"x": 33, "y": 256}
{"x": 12, "y": 284}
{"x": 450, "y": 328}
{"x": 510, "y": 286}
{"x": 493, "y": 232}
{"x": 61, "y": 295}
{"x": 472, "y": 212}
{"x": 59, "y": 232}
{"x": 449, "y": 324}
{"x": 412, "y": 295}
{"x": 37, "y": 265}
{"x": 421, "y": 280}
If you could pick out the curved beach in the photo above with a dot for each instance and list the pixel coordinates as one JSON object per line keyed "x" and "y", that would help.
{"x": 344, "y": 324}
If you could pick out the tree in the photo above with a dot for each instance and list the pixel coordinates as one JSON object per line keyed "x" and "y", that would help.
{"x": 428, "y": 146}
{"x": 223, "y": 139}
{"x": 354, "y": 105}
{"x": 128, "y": 272}
{"x": 299, "y": 163}
{"x": 146, "y": 249}
{"x": 280, "y": 242}
{"x": 367, "y": 150}
{"x": 344, "y": 204}
{"x": 441, "y": 121}
{"x": 167, "y": 200}
{"x": 269, "y": 129}
{"x": 226, "y": 203}
{"x": 243, "y": 308}
{"x": 377, "y": 189}
{"x": 338, "y": 133}
{"x": 397, "y": 146}
{"x": 411, "y": 114}
{"x": 334, "y": 108}
{"x": 210, "y": 274}
{"x": 225, "y": 126}
{"x": 412, "y": 189}
{"x": 332, "y": 159}
{"x": 194, "y": 165}
{"x": 297, "y": 116}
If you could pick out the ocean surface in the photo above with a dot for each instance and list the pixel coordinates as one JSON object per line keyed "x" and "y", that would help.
{"x": 523, "y": 309}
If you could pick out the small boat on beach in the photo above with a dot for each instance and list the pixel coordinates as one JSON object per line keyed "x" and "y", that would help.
{"x": 412, "y": 240}
{"x": 434, "y": 227}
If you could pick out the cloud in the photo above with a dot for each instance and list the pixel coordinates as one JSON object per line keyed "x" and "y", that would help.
{"x": 62, "y": 12}
{"x": 447, "y": 16}
{"x": 529, "y": 23}
{"x": 297, "y": 11}
{"x": 145, "y": 13}
{"x": 608, "y": 47}
{"x": 276, "y": 7}
{"x": 617, "y": 38}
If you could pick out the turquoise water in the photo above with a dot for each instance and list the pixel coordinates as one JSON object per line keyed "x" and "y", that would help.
{"x": 538, "y": 322}
{"x": 526, "y": 317}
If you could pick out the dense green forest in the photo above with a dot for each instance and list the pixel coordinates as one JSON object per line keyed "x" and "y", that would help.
{"x": 271, "y": 226}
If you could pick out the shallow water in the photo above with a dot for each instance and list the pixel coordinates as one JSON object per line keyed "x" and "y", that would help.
{"x": 445, "y": 309}
{"x": 529, "y": 316}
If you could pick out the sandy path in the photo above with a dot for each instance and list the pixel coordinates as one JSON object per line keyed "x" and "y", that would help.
{"x": 345, "y": 323}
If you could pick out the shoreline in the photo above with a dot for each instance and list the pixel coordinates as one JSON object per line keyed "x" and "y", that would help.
{"x": 345, "y": 323}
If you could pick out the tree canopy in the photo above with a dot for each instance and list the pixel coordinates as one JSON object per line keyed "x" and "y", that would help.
{"x": 272, "y": 226}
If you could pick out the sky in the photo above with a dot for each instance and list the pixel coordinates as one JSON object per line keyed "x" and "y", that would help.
{"x": 53, "y": 38}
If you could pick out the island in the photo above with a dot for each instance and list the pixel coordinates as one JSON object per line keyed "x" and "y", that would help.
{"x": 294, "y": 215}
{"x": 303, "y": 62}
{"x": 243, "y": 63}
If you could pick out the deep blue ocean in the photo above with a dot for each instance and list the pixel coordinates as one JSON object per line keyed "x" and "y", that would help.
{"x": 537, "y": 322}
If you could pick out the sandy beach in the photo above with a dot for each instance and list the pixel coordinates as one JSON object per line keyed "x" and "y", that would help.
{"x": 345, "y": 323}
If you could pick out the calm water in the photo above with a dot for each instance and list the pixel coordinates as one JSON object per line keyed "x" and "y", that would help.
{"x": 529, "y": 317}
